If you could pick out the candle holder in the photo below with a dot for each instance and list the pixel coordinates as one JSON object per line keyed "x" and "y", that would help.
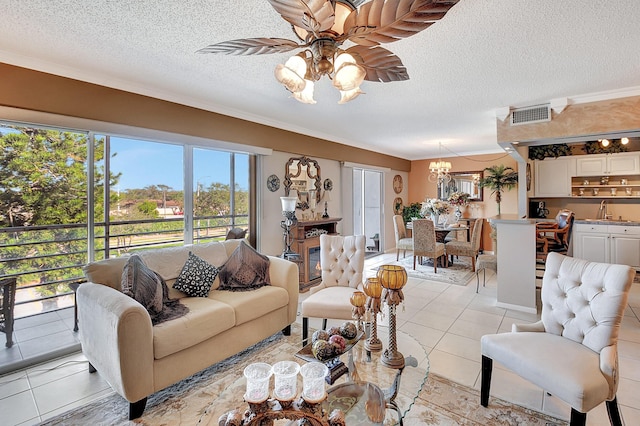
{"x": 357, "y": 300}
{"x": 392, "y": 278}
{"x": 307, "y": 409}
{"x": 373, "y": 290}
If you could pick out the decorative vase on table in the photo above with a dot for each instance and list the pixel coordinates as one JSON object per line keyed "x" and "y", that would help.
{"x": 458, "y": 213}
{"x": 435, "y": 217}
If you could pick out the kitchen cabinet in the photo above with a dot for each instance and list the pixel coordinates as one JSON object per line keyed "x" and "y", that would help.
{"x": 607, "y": 243}
{"x": 553, "y": 177}
{"x": 608, "y": 164}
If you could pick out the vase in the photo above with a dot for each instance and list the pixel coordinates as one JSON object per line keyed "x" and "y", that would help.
{"x": 435, "y": 217}
{"x": 458, "y": 213}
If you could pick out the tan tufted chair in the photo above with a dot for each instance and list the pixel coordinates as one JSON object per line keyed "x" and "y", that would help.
{"x": 402, "y": 242}
{"x": 342, "y": 263}
{"x": 424, "y": 242}
{"x": 464, "y": 248}
{"x": 572, "y": 352}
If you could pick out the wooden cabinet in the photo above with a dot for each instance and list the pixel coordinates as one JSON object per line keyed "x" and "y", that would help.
{"x": 591, "y": 242}
{"x": 305, "y": 237}
{"x": 553, "y": 177}
{"x": 608, "y": 164}
{"x": 607, "y": 243}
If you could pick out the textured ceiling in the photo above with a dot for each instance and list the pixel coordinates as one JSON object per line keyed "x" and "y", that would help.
{"x": 484, "y": 55}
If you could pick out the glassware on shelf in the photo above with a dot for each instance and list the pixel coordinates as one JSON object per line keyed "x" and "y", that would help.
{"x": 595, "y": 191}
{"x": 627, "y": 190}
{"x": 614, "y": 191}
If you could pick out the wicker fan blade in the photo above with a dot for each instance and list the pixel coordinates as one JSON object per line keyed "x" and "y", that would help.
{"x": 251, "y": 46}
{"x": 380, "y": 64}
{"x": 381, "y": 21}
{"x": 311, "y": 15}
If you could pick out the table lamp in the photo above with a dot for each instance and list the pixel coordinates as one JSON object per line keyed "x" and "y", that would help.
{"x": 289, "y": 212}
{"x": 392, "y": 278}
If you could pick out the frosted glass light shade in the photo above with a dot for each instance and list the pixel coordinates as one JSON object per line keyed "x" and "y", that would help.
{"x": 291, "y": 74}
{"x": 346, "y": 96}
{"x": 288, "y": 203}
{"x": 306, "y": 95}
{"x": 349, "y": 75}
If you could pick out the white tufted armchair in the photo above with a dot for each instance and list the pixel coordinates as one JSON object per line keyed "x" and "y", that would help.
{"x": 342, "y": 263}
{"x": 572, "y": 352}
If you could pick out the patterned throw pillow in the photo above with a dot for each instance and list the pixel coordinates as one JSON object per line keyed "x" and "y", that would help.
{"x": 196, "y": 277}
{"x": 246, "y": 269}
{"x": 142, "y": 284}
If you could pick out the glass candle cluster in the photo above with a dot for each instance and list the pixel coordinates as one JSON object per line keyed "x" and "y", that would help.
{"x": 258, "y": 377}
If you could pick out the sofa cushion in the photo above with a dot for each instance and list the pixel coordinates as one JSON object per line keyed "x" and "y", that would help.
{"x": 249, "y": 305}
{"x": 245, "y": 270}
{"x": 142, "y": 284}
{"x": 206, "y": 318}
{"x": 197, "y": 277}
{"x": 168, "y": 262}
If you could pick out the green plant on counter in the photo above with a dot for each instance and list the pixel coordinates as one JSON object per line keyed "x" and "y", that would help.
{"x": 410, "y": 211}
{"x": 541, "y": 152}
{"x": 595, "y": 147}
{"x": 499, "y": 179}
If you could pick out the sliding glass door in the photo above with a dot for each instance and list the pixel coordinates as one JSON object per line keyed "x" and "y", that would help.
{"x": 367, "y": 207}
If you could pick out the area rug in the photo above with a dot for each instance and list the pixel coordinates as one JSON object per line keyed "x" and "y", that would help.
{"x": 459, "y": 273}
{"x": 195, "y": 401}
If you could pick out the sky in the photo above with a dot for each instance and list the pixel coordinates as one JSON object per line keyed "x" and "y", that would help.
{"x": 145, "y": 163}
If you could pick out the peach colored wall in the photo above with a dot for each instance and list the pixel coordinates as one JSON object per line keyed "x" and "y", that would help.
{"x": 420, "y": 187}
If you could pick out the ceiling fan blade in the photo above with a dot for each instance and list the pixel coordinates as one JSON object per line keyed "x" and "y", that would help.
{"x": 381, "y": 21}
{"x": 380, "y": 64}
{"x": 251, "y": 46}
{"x": 312, "y": 15}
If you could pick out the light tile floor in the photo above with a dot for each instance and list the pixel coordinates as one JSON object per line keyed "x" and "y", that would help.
{"x": 448, "y": 319}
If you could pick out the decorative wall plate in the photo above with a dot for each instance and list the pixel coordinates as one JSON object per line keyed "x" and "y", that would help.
{"x": 273, "y": 183}
{"x": 328, "y": 185}
{"x": 398, "y": 205}
{"x": 397, "y": 184}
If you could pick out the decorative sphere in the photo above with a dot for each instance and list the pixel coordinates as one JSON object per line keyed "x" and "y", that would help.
{"x": 322, "y": 349}
{"x": 339, "y": 343}
{"x": 348, "y": 330}
{"x": 334, "y": 331}
{"x": 320, "y": 335}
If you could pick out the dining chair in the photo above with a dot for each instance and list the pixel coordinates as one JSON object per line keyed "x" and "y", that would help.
{"x": 342, "y": 269}
{"x": 402, "y": 241}
{"x": 554, "y": 236}
{"x": 467, "y": 248}
{"x": 572, "y": 352}
{"x": 424, "y": 242}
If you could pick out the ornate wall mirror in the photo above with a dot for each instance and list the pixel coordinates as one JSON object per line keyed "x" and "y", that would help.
{"x": 303, "y": 175}
{"x": 462, "y": 182}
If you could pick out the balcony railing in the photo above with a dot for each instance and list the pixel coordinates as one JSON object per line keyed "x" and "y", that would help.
{"x": 46, "y": 259}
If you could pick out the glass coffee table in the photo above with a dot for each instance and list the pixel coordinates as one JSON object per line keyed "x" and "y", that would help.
{"x": 350, "y": 392}
{"x": 400, "y": 387}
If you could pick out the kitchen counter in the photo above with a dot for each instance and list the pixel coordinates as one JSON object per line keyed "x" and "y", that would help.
{"x": 608, "y": 222}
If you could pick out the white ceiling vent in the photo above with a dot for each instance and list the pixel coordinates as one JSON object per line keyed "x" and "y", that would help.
{"x": 528, "y": 115}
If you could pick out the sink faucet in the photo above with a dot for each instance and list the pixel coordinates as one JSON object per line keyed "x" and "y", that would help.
{"x": 602, "y": 211}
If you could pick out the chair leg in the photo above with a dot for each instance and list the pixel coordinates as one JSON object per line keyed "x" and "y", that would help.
{"x": 435, "y": 265}
{"x": 614, "y": 413}
{"x": 398, "y": 254}
{"x": 287, "y": 330}
{"x": 324, "y": 323}
{"x": 487, "y": 367}
{"x": 473, "y": 263}
{"x": 577, "y": 418}
{"x": 414, "y": 262}
{"x": 477, "y": 280}
{"x": 305, "y": 330}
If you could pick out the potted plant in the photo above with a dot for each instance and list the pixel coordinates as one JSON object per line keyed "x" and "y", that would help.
{"x": 499, "y": 179}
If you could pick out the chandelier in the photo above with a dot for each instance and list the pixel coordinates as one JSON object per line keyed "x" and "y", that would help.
{"x": 323, "y": 26}
{"x": 439, "y": 170}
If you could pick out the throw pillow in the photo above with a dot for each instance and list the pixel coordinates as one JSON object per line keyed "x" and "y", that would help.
{"x": 143, "y": 284}
{"x": 246, "y": 269}
{"x": 196, "y": 277}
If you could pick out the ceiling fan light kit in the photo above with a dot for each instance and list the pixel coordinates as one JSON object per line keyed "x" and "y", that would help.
{"x": 324, "y": 25}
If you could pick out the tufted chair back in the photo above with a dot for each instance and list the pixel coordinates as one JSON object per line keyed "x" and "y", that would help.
{"x": 584, "y": 301}
{"x": 342, "y": 260}
{"x": 399, "y": 228}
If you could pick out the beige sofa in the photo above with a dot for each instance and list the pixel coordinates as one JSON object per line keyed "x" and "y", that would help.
{"x": 138, "y": 359}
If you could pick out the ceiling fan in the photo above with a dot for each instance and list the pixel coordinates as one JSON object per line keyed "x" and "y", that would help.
{"x": 322, "y": 26}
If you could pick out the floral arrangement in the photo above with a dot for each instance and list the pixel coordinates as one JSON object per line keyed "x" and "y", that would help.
{"x": 459, "y": 199}
{"x": 434, "y": 206}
